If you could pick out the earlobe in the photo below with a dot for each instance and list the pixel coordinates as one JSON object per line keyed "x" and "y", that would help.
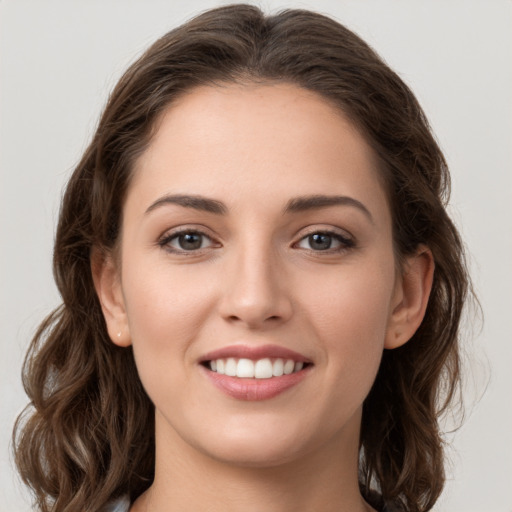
{"x": 410, "y": 298}
{"x": 107, "y": 283}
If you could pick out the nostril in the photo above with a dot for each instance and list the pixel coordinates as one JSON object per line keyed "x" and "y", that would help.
{"x": 255, "y": 310}
{"x": 235, "y": 318}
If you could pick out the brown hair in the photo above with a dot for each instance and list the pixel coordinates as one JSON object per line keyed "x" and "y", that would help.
{"x": 88, "y": 435}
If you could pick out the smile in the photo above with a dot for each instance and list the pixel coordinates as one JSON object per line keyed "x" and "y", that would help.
{"x": 252, "y": 373}
{"x": 265, "y": 368}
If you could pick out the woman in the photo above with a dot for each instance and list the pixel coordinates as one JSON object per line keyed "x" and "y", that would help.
{"x": 261, "y": 286}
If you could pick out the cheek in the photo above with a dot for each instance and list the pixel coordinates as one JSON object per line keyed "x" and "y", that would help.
{"x": 166, "y": 309}
{"x": 158, "y": 296}
{"x": 350, "y": 314}
{"x": 355, "y": 300}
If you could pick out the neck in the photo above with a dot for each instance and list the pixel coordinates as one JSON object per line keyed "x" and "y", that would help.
{"x": 194, "y": 481}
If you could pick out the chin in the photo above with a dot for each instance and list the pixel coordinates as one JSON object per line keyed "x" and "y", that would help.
{"x": 257, "y": 455}
{"x": 260, "y": 446}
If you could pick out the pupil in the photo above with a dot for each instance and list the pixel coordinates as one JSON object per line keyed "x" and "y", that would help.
{"x": 190, "y": 241}
{"x": 320, "y": 241}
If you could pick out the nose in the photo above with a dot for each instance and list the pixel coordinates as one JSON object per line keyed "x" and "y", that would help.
{"x": 256, "y": 290}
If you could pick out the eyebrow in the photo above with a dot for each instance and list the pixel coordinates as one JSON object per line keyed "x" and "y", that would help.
{"x": 304, "y": 203}
{"x": 190, "y": 201}
{"x": 297, "y": 204}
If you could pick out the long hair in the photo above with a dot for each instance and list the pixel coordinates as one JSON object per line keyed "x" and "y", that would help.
{"x": 87, "y": 435}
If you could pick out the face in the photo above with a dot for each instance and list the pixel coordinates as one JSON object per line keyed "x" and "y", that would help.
{"x": 256, "y": 241}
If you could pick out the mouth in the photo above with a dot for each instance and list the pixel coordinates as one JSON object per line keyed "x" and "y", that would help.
{"x": 255, "y": 373}
{"x": 264, "y": 368}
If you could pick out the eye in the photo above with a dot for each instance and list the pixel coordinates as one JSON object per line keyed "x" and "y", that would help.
{"x": 186, "y": 241}
{"x": 325, "y": 241}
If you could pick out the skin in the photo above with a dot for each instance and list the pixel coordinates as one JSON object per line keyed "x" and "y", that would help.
{"x": 258, "y": 280}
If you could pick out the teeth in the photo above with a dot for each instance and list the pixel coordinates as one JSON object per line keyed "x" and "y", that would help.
{"x": 230, "y": 368}
{"x": 245, "y": 368}
{"x": 263, "y": 369}
{"x": 278, "y": 368}
{"x": 289, "y": 366}
{"x": 260, "y": 369}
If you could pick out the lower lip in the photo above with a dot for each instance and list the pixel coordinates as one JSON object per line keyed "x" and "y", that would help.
{"x": 255, "y": 389}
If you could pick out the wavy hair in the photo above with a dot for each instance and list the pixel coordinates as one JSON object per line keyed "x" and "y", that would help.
{"x": 87, "y": 435}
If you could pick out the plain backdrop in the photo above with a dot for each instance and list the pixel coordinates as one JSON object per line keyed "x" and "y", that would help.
{"x": 60, "y": 58}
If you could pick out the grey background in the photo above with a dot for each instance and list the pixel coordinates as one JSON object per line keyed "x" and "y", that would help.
{"x": 58, "y": 61}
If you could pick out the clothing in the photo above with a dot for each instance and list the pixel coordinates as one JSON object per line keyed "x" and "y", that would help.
{"x": 123, "y": 504}
{"x": 120, "y": 505}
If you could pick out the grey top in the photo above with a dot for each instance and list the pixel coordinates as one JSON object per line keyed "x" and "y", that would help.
{"x": 123, "y": 505}
{"x": 120, "y": 505}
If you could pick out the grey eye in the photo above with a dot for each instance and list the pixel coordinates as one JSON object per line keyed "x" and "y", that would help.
{"x": 189, "y": 241}
{"x": 320, "y": 241}
{"x": 325, "y": 241}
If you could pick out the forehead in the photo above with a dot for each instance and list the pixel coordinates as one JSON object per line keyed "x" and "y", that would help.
{"x": 254, "y": 141}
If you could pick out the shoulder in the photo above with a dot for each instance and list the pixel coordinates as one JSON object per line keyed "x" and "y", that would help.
{"x": 390, "y": 507}
{"x": 374, "y": 499}
{"x": 119, "y": 505}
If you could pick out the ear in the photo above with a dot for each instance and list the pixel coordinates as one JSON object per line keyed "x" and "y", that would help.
{"x": 410, "y": 298}
{"x": 107, "y": 282}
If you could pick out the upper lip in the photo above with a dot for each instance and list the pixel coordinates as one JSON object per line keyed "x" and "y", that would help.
{"x": 255, "y": 352}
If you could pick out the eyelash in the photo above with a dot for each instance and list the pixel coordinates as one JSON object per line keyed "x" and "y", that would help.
{"x": 345, "y": 243}
{"x": 165, "y": 241}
